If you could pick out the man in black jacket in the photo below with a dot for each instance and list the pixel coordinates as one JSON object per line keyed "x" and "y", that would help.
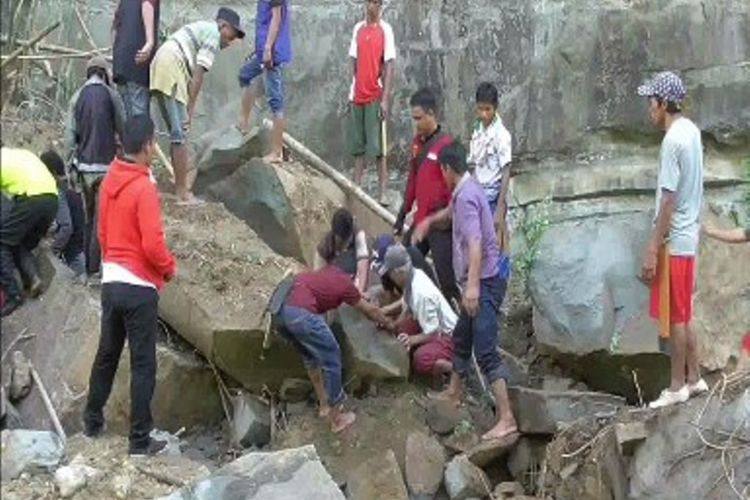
{"x": 135, "y": 37}
{"x": 95, "y": 121}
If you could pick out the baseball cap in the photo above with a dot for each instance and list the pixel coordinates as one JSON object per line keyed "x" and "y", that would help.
{"x": 395, "y": 257}
{"x": 666, "y": 86}
{"x": 97, "y": 62}
{"x": 380, "y": 247}
{"x": 231, "y": 17}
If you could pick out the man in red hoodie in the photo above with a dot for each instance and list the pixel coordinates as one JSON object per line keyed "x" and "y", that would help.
{"x": 136, "y": 263}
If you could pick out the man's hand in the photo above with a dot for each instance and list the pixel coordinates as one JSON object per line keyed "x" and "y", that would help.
{"x": 268, "y": 58}
{"x": 420, "y": 232}
{"x": 385, "y": 111}
{"x": 142, "y": 56}
{"x": 471, "y": 300}
{"x": 648, "y": 267}
{"x": 405, "y": 340}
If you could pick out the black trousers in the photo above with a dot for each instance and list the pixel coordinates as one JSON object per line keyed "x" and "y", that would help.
{"x": 440, "y": 244}
{"x": 90, "y": 183}
{"x": 128, "y": 311}
{"x": 25, "y": 221}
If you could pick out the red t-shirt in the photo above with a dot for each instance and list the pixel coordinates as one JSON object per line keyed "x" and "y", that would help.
{"x": 323, "y": 290}
{"x": 372, "y": 45}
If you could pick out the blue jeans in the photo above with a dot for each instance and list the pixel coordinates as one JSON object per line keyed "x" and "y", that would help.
{"x": 482, "y": 333}
{"x": 175, "y": 115}
{"x": 252, "y": 69}
{"x": 311, "y": 336}
{"x": 135, "y": 98}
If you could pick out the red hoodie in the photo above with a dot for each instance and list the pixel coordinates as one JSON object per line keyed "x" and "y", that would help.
{"x": 130, "y": 227}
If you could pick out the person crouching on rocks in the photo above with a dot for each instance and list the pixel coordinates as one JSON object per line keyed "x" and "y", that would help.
{"x": 346, "y": 246}
{"x": 431, "y": 344}
{"x": 302, "y": 322}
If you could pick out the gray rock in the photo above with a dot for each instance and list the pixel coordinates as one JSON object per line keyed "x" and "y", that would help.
{"x": 369, "y": 354}
{"x": 378, "y": 477}
{"x": 71, "y": 478}
{"x": 507, "y": 490}
{"x": 629, "y": 435}
{"x": 540, "y": 412}
{"x": 425, "y": 460}
{"x": 20, "y": 378}
{"x": 295, "y": 390}
{"x": 464, "y": 480}
{"x": 293, "y": 474}
{"x": 221, "y": 151}
{"x": 485, "y": 453}
{"x": 671, "y": 439}
{"x": 251, "y": 425}
{"x": 443, "y": 417}
{"x": 30, "y": 452}
{"x": 518, "y": 373}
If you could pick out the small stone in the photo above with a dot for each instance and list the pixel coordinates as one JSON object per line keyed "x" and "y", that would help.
{"x": 251, "y": 425}
{"x": 20, "y": 377}
{"x": 295, "y": 390}
{"x": 121, "y": 485}
{"x": 486, "y": 452}
{"x": 629, "y": 435}
{"x": 425, "y": 460}
{"x": 461, "y": 442}
{"x": 508, "y": 489}
{"x": 443, "y": 416}
{"x": 464, "y": 480}
{"x": 73, "y": 477}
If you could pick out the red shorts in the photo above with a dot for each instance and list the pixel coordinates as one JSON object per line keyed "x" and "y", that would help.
{"x": 426, "y": 355}
{"x": 681, "y": 286}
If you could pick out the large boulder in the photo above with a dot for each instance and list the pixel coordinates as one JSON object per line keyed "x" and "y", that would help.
{"x": 293, "y": 474}
{"x": 424, "y": 462}
{"x": 464, "y": 480}
{"x": 590, "y": 308}
{"x": 65, "y": 322}
{"x": 369, "y": 353}
{"x": 225, "y": 276}
{"x": 219, "y": 152}
{"x": 29, "y": 451}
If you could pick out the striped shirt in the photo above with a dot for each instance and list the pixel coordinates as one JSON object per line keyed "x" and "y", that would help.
{"x": 199, "y": 42}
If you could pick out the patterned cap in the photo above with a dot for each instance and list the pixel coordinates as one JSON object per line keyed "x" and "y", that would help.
{"x": 666, "y": 86}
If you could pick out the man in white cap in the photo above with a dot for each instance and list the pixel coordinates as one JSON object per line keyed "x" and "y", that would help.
{"x": 669, "y": 257}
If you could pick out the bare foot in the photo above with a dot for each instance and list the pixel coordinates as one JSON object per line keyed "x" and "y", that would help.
{"x": 324, "y": 411}
{"x": 342, "y": 421}
{"x": 274, "y": 158}
{"x": 243, "y": 127}
{"x": 501, "y": 430}
{"x": 190, "y": 200}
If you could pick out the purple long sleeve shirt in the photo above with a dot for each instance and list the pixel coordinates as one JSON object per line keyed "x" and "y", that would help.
{"x": 473, "y": 221}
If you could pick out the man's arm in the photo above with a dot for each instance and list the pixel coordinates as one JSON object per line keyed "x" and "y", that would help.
{"x": 737, "y": 235}
{"x": 195, "y": 89}
{"x": 658, "y": 235}
{"x": 385, "y": 102}
{"x": 273, "y": 33}
{"x": 409, "y": 197}
{"x": 471, "y": 294}
{"x": 71, "y": 134}
{"x": 374, "y": 313}
{"x": 119, "y": 107}
{"x": 153, "y": 242}
{"x": 147, "y": 13}
{"x": 443, "y": 215}
{"x": 502, "y": 208}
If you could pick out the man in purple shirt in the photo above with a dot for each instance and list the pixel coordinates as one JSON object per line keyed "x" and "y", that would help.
{"x": 273, "y": 50}
{"x": 476, "y": 263}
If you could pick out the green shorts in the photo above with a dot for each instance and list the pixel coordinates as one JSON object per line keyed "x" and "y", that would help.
{"x": 365, "y": 131}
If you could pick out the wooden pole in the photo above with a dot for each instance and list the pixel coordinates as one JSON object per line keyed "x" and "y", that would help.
{"x": 48, "y": 404}
{"x": 20, "y": 50}
{"x": 336, "y": 176}
{"x": 163, "y": 158}
{"x": 56, "y": 57}
{"x": 85, "y": 29}
{"x": 50, "y": 47}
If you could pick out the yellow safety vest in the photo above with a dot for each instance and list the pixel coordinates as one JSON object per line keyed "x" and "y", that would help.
{"x": 23, "y": 173}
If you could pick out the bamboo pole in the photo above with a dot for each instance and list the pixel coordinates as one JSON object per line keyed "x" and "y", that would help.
{"x": 85, "y": 29}
{"x": 48, "y": 404}
{"x": 50, "y": 47}
{"x": 58, "y": 57}
{"x": 336, "y": 176}
{"x": 164, "y": 160}
{"x": 20, "y": 50}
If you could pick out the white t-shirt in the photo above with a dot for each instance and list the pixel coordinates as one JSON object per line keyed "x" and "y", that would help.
{"x": 490, "y": 150}
{"x": 429, "y": 307}
{"x": 681, "y": 172}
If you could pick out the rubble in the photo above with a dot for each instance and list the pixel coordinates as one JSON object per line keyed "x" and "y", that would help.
{"x": 295, "y": 390}
{"x": 251, "y": 423}
{"x": 424, "y": 463}
{"x": 506, "y": 490}
{"x": 443, "y": 416}
{"x": 525, "y": 460}
{"x": 73, "y": 477}
{"x": 379, "y": 477}
{"x": 541, "y": 412}
{"x": 29, "y": 451}
{"x": 486, "y": 452}
{"x": 464, "y": 480}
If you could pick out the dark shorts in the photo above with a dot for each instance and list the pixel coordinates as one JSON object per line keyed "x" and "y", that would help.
{"x": 365, "y": 131}
{"x": 274, "y": 83}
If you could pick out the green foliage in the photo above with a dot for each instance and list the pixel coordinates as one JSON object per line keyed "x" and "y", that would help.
{"x": 533, "y": 226}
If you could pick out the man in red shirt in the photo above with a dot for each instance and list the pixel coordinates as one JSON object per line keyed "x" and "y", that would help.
{"x": 373, "y": 50}
{"x": 136, "y": 263}
{"x": 426, "y": 186}
{"x": 313, "y": 294}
